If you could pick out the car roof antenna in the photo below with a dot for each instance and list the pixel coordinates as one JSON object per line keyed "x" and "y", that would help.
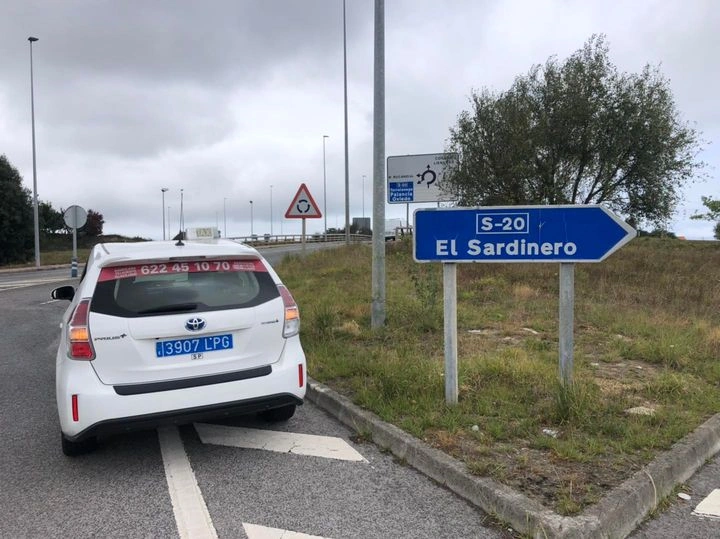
{"x": 181, "y": 235}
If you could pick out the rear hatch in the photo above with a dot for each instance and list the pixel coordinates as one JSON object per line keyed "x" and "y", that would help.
{"x": 164, "y": 321}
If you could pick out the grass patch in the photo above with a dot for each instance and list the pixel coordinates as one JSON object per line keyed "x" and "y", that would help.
{"x": 646, "y": 334}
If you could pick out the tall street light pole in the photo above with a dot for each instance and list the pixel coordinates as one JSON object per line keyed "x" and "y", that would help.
{"x": 378, "y": 220}
{"x": 347, "y": 173}
{"x": 325, "y": 187}
{"x": 36, "y": 215}
{"x": 363, "y": 196}
{"x": 225, "y": 234}
{"x": 164, "y": 190}
{"x": 271, "y": 214}
{"x": 251, "y": 220}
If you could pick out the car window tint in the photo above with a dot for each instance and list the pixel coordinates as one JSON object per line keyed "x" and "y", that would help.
{"x": 119, "y": 294}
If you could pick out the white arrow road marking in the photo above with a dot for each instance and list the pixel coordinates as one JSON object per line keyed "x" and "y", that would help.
{"x": 254, "y": 531}
{"x": 283, "y": 442}
{"x": 710, "y": 506}
{"x": 191, "y": 514}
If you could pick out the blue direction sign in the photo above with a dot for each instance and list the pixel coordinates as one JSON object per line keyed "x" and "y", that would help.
{"x": 577, "y": 233}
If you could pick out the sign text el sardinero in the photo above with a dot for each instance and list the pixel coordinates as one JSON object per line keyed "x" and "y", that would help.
{"x": 574, "y": 233}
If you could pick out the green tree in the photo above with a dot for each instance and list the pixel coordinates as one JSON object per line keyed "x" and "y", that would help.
{"x": 712, "y": 214}
{"x": 51, "y": 220}
{"x": 16, "y": 216}
{"x": 577, "y": 132}
{"x": 94, "y": 224}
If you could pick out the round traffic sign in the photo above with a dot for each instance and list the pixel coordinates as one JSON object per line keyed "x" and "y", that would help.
{"x": 75, "y": 217}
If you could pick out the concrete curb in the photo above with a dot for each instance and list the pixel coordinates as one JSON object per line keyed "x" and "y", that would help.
{"x": 615, "y": 516}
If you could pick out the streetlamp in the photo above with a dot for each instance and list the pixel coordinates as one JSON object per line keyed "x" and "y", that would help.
{"x": 168, "y": 219}
{"x": 251, "y": 220}
{"x": 363, "y": 196}
{"x": 36, "y": 215}
{"x": 271, "y": 214}
{"x": 164, "y": 190}
{"x": 347, "y": 171}
{"x": 325, "y": 187}
{"x": 225, "y": 234}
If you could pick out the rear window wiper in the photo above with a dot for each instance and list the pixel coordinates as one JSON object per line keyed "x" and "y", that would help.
{"x": 178, "y": 307}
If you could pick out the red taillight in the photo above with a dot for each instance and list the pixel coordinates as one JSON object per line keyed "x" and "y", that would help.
{"x": 292, "y": 313}
{"x": 79, "y": 333}
{"x": 75, "y": 412}
{"x": 301, "y": 375}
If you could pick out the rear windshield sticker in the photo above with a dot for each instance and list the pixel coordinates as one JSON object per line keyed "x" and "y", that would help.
{"x": 166, "y": 268}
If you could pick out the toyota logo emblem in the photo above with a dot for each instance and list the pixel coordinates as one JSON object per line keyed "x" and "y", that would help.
{"x": 195, "y": 324}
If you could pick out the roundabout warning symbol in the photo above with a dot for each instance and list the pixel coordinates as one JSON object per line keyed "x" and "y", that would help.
{"x": 303, "y": 205}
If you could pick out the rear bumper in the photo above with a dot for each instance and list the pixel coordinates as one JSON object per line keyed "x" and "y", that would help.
{"x": 101, "y": 410}
{"x": 186, "y": 415}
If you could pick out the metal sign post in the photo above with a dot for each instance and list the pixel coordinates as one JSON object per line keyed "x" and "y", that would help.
{"x": 303, "y": 234}
{"x": 565, "y": 234}
{"x": 566, "y": 322}
{"x": 450, "y": 329}
{"x": 75, "y": 217}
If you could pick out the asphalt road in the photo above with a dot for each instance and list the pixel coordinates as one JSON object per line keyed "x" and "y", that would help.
{"x": 122, "y": 489}
{"x": 678, "y": 520}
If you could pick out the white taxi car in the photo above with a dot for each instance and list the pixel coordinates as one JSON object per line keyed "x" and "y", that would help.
{"x": 174, "y": 332}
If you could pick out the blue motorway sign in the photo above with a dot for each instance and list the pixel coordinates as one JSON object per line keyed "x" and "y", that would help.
{"x": 401, "y": 192}
{"x": 577, "y": 233}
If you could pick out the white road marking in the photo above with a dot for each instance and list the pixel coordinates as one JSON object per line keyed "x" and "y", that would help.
{"x": 191, "y": 514}
{"x": 283, "y": 442}
{"x": 254, "y": 531}
{"x": 710, "y": 506}
{"x": 12, "y": 285}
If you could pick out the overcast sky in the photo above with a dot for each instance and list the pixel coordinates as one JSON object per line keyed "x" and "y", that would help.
{"x": 229, "y": 99}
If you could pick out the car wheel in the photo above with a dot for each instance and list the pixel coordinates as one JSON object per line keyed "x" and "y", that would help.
{"x": 279, "y": 414}
{"x": 73, "y": 449}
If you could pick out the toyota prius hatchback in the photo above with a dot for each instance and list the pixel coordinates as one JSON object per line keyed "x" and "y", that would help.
{"x": 165, "y": 332}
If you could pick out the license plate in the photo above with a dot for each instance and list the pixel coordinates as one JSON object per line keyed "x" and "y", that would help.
{"x": 195, "y": 345}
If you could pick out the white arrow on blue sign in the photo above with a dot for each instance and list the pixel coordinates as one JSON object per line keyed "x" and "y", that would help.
{"x": 567, "y": 234}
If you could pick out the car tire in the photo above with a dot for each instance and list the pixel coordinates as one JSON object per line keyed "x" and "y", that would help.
{"x": 73, "y": 449}
{"x": 279, "y": 414}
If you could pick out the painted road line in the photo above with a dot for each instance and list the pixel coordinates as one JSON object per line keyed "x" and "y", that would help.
{"x": 253, "y": 531}
{"x": 328, "y": 447}
{"x": 710, "y": 506}
{"x": 191, "y": 515}
{"x": 12, "y": 285}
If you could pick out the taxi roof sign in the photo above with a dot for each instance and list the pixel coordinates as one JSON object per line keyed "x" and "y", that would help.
{"x": 303, "y": 205}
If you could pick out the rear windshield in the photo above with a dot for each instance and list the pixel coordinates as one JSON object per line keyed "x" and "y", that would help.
{"x": 181, "y": 287}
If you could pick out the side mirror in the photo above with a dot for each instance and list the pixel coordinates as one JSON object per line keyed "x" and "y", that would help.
{"x": 63, "y": 292}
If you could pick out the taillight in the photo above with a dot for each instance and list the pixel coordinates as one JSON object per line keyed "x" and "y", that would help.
{"x": 79, "y": 333}
{"x": 75, "y": 408}
{"x": 301, "y": 375}
{"x": 292, "y": 314}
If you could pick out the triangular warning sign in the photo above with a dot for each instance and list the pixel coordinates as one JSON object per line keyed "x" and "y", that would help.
{"x": 303, "y": 205}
